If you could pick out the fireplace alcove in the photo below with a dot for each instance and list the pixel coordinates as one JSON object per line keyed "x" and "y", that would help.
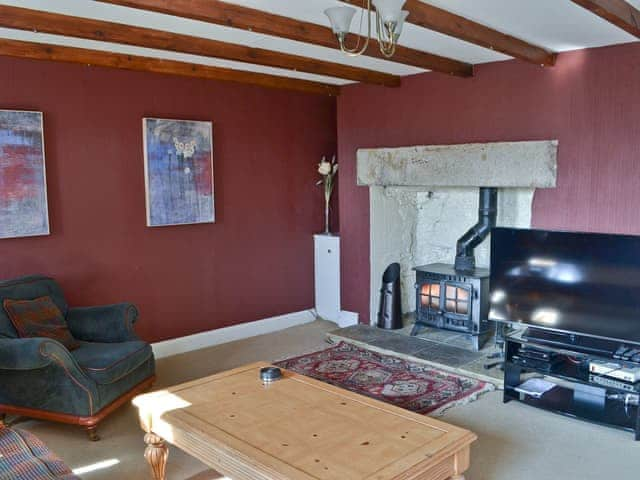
{"x": 422, "y": 199}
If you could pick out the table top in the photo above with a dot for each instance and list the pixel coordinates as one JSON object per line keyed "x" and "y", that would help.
{"x": 296, "y": 428}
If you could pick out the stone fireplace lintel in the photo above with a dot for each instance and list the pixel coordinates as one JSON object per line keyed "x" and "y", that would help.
{"x": 499, "y": 164}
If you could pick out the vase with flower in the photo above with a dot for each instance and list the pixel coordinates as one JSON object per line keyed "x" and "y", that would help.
{"x": 328, "y": 171}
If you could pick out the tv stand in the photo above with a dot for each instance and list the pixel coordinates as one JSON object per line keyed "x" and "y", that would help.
{"x": 577, "y": 343}
{"x": 575, "y": 392}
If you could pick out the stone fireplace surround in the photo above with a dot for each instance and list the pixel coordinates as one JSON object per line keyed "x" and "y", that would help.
{"x": 423, "y": 198}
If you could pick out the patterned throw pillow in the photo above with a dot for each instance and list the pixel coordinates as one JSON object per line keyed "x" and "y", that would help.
{"x": 39, "y": 318}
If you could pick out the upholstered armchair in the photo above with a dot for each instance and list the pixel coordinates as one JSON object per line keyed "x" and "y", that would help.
{"x": 40, "y": 378}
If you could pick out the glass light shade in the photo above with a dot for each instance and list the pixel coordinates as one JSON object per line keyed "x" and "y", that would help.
{"x": 403, "y": 16}
{"x": 340, "y": 18}
{"x": 389, "y": 10}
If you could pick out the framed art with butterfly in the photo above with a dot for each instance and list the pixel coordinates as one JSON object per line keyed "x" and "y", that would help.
{"x": 178, "y": 169}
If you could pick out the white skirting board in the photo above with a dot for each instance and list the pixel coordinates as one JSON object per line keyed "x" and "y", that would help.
{"x": 229, "y": 334}
{"x": 347, "y": 319}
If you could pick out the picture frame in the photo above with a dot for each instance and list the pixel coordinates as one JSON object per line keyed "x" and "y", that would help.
{"x": 178, "y": 170}
{"x": 24, "y": 209}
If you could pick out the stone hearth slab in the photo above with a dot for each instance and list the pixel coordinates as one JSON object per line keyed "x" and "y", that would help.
{"x": 363, "y": 333}
{"x": 400, "y": 343}
{"x": 442, "y": 349}
{"x": 448, "y": 355}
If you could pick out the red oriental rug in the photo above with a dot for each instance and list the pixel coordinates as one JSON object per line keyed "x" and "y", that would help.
{"x": 414, "y": 386}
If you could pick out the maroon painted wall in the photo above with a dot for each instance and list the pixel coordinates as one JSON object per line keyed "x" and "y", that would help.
{"x": 256, "y": 261}
{"x": 589, "y": 101}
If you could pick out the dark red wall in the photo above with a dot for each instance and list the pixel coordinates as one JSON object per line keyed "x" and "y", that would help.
{"x": 590, "y": 102}
{"x": 256, "y": 261}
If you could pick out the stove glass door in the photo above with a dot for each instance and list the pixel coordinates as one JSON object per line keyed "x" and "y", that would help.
{"x": 430, "y": 296}
{"x": 457, "y": 299}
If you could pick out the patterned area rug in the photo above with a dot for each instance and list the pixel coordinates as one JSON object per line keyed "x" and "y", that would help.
{"x": 416, "y": 387}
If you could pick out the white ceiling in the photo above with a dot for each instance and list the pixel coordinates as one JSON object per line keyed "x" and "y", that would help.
{"x": 557, "y": 25}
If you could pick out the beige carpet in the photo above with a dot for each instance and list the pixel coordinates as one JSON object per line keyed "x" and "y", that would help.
{"x": 516, "y": 442}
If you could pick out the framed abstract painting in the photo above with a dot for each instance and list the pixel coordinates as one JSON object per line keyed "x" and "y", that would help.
{"x": 23, "y": 183}
{"x": 178, "y": 168}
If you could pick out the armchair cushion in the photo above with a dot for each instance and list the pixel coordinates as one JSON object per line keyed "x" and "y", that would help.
{"x": 40, "y": 317}
{"x": 106, "y": 363}
{"x": 28, "y": 288}
{"x": 105, "y": 324}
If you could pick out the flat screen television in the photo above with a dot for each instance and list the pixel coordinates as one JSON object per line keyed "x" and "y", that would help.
{"x": 586, "y": 284}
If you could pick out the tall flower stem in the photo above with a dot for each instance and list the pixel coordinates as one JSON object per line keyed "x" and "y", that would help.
{"x": 326, "y": 218}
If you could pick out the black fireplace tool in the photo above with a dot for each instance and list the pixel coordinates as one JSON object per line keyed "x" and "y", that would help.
{"x": 390, "y": 311}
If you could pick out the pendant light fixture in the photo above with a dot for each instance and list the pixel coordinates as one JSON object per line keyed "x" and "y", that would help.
{"x": 389, "y": 20}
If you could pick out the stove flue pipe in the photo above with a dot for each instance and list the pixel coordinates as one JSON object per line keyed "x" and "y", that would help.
{"x": 487, "y": 214}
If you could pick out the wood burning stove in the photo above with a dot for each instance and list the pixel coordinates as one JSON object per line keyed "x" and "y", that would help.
{"x": 453, "y": 300}
{"x": 455, "y": 297}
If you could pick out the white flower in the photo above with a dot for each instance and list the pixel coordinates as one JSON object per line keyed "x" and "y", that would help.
{"x": 324, "y": 168}
{"x": 335, "y": 168}
{"x": 189, "y": 149}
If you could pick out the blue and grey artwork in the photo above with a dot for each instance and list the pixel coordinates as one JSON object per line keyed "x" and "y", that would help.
{"x": 23, "y": 190}
{"x": 179, "y": 171}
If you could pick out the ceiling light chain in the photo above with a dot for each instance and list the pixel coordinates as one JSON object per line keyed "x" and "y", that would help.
{"x": 389, "y": 20}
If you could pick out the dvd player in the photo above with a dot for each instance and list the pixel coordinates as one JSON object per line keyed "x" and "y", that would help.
{"x": 613, "y": 383}
{"x": 536, "y": 353}
{"x": 627, "y": 372}
{"x": 536, "y": 363}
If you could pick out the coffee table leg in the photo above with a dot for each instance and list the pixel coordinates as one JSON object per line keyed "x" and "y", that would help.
{"x": 156, "y": 455}
{"x": 461, "y": 463}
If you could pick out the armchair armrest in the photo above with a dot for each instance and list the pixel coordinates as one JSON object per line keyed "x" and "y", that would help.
{"x": 40, "y": 373}
{"x": 33, "y": 353}
{"x": 107, "y": 323}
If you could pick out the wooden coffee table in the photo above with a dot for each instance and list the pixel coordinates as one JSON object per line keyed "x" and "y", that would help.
{"x": 297, "y": 428}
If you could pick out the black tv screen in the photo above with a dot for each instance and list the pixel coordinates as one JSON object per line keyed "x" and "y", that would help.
{"x": 583, "y": 283}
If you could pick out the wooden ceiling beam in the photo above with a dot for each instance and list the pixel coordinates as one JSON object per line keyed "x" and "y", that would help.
{"x": 244, "y": 18}
{"x": 41, "y": 51}
{"x": 620, "y": 13}
{"x": 443, "y": 21}
{"x": 90, "y": 29}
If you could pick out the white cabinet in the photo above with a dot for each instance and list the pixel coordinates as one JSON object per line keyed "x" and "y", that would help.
{"x": 327, "y": 276}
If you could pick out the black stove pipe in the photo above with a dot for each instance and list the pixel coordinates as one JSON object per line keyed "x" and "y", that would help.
{"x": 487, "y": 214}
